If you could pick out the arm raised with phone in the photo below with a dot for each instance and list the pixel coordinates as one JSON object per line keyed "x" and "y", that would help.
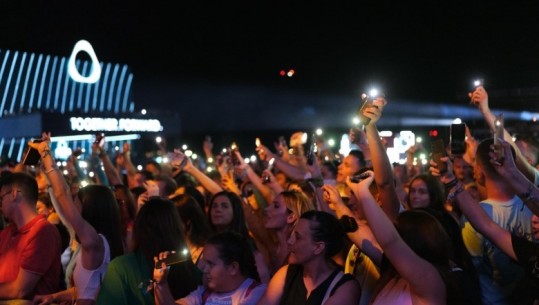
{"x": 480, "y": 98}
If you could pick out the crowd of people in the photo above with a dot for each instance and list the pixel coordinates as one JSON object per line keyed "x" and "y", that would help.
{"x": 302, "y": 227}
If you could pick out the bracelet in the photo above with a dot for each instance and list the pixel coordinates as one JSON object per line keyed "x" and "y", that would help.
{"x": 528, "y": 196}
{"x": 452, "y": 197}
{"x": 51, "y": 170}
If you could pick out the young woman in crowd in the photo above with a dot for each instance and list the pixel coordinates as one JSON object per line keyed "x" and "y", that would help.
{"x": 425, "y": 191}
{"x": 416, "y": 242}
{"x": 158, "y": 228}
{"x": 197, "y": 228}
{"x": 230, "y": 272}
{"x": 225, "y": 213}
{"x": 96, "y": 224}
{"x": 281, "y": 216}
{"x": 312, "y": 277}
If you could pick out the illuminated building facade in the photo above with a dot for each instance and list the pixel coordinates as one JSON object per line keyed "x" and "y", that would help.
{"x": 73, "y": 99}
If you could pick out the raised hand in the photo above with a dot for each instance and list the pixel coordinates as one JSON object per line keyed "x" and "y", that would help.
{"x": 479, "y": 98}
{"x": 160, "y": 273}
{"x": 334, "y": 200}
{"x": 179, "y": 161}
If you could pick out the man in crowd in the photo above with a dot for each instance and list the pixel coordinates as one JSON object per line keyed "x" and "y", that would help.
{"x": 29, "y": 245}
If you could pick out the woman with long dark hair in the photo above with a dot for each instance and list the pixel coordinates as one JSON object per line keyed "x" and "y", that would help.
{"x": 197, "y": 228}
{"x": 158, "y": 228}
{"x": 96, "y": 224}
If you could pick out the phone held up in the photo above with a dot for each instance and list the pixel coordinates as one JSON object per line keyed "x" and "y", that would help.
{"x": 367, "y": 102}
{"x": 174, "y": 258}
{"x": 437, "y": 149}
{"x": 31, "y": 156}
{"x": 311, "y": 153}
{"x": 457, "y": 139}
{"x": 266, "y": 178}
{"x": 100, "y": 139}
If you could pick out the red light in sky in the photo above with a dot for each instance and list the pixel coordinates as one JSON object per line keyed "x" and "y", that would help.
{"x": 282, "y": 73}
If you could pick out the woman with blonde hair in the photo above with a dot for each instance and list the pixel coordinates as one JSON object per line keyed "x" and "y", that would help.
{"x": 281, "y": 216}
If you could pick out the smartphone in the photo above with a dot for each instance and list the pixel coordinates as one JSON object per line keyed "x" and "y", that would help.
{"x": 282, "y": 143}
{"x": 31, "y": 156}
{"x": 100, "y": 139}
{"x": 270, "y": 168}
{"x": 367, "y": 102}
{"x": 174, "y": 258}
{"x": 257, "y": 142}
{"x": 457, "y": 139}
{"x": 498, "y": 134}
{"x": 477, "y": 83}
{"x": 233, "y": 158}
{"x": 437, "y": 149}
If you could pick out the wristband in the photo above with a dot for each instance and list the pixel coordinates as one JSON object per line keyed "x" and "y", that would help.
{"x": 51, "y": 170}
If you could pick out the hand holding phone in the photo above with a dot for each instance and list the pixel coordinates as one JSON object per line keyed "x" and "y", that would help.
{"x": 100, "y": 139}
{"x": 266, "y": 178}
{"x": 437, "y": 148}
{"x": 31, "y": 156}
{"x": 173, "y": 258}
{"x": 457, "y": 139}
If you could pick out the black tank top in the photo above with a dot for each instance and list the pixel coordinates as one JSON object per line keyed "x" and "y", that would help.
{"x": 295, "y": 292}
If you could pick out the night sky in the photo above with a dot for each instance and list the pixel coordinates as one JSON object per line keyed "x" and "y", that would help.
{"x": 217, "y": 65}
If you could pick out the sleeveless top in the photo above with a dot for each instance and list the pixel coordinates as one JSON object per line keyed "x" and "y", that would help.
{"x": 396, "y": 291}
{"x": 294, "y": 291}
{"x": 89, "y": 281}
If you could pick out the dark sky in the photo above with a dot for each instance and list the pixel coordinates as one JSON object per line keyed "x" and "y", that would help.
{"x": 226, "y": 57}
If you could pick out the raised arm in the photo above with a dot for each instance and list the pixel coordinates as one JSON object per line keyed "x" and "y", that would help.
{"x": 91, "y": 243}
{"x": 113, "y": 176}
{"x": 362, "y": 237}
{"x": 480, "y": 98}
{"x": 180, "y": 162}
{"x": 427, "y": 284}
{"x": 257, "y": 182}
{"x": 125, "y": 160}
{"x": 95, "y": 164}
{"x": 526, "y": 190}
{"x": 292, "y": 171}
{"x": 383, "y": 171}
{"x": 478, "y": 218}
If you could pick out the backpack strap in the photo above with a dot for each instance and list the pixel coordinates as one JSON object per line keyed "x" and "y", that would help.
{"x": 334, "y": 282}
{"x": 206, "y": 295}
{"x": 251, "y": 287}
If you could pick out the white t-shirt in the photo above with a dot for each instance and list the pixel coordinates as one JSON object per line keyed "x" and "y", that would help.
{"x": 248, "y": 293}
